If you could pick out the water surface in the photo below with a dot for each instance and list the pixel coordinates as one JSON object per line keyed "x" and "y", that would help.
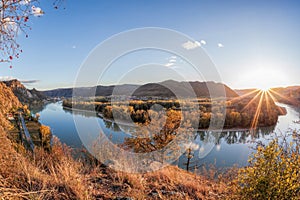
{"x": 221, "y": 149}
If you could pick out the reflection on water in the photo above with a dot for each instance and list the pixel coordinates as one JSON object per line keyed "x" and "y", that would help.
{"x": 36, "y": 108}
{"x": 80, "y": 112}
{"x": 223, "y": 149}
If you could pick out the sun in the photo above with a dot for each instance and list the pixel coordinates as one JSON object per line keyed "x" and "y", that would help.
{"x": 264, "y": 88}
{"x": 262, "y": 78}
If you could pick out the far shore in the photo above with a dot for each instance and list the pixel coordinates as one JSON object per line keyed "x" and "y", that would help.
{"x": 130, "y": 124}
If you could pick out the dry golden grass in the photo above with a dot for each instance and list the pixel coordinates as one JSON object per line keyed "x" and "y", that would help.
{"x": 43, "y": 176}
{"x": 56, "y": 175}
{"x": 168, "y": 183}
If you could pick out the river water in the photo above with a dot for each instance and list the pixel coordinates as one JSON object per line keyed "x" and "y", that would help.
{"x": 224, "y": 149}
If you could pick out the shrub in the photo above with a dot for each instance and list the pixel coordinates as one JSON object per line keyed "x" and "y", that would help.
{"x": 273, "y": 172}
{"x": 46, "y": 135}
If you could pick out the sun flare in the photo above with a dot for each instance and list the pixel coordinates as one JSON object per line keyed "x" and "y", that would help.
{"x": 262, "y": 98}
{"x": 264, "y": 88}
{"x": 262, "y": 78}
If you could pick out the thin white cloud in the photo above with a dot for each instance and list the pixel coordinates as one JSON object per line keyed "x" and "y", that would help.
{"x": 169, "y": 64}
{"x": 203, "y": 42}
{"x": 6, "y": 20}
{"x": 24, "y": 2}
{"x": 29, "y": 81}
{"x": 220, "y": 45}
{"x": 9, "y": 25}
{"x": 191, "y": 45}
{"x": 6, "y": 78}
{"x": 192, "y": 146}
{"x": 171, "y": 61}
{"x": 26, "y": 82}
{"x": 37, "y": 11}
{"x": 74, "y": 47}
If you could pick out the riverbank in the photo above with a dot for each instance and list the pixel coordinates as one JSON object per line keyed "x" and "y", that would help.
{"x": 238, "y": 113}
{"x": 120, "y": 122}
{"x": 57, "y": 175}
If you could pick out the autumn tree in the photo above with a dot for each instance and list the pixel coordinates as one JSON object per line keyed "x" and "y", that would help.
{"x": 46, "y": 136}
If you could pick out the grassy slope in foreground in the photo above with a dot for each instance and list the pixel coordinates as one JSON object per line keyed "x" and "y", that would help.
{"x": 56, "y": 175}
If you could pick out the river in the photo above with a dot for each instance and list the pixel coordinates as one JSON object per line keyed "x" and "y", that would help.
{"x": 224, "y": 149}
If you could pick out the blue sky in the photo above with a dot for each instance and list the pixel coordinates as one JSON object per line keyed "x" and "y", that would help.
{"x": 261, "y": 38}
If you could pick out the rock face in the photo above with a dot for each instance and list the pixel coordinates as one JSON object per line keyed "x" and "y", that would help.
{"x": 25, "y": 95}
{"x": 8, "y": 101}
{"x": 163, "y": 89}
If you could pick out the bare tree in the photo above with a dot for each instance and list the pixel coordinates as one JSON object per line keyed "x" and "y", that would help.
{"x": 14, "y": 18}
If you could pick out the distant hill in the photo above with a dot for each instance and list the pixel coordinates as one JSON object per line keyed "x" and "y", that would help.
{"x": 25, "y": 95}
{"x": 289, "y": 95}
{"x": 61, "y": 92}
{"x": 241, "y": 92}
{"x": 185, "y": 89}
{"x": 88, "y": 91}
{"x": 163, "y": 89}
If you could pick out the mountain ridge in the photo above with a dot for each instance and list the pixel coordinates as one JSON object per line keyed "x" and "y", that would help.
{"x": 162, "y": 89}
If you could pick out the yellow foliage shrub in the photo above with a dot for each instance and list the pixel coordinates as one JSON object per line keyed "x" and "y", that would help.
{"x": 273, "y": 172}
{"x": 46, "y": 136}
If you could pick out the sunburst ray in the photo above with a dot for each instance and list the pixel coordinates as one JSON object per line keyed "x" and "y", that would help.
{"x": 267, "y": 98}
{"x": 244, "y": 95}
{"x": 252, "y": 100}
{"x": 274, "y": 93}
{"x": 257, "y": 112}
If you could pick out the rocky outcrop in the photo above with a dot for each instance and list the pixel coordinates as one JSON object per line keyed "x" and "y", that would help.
{"x": 25, "y": 95}
{"x": 8, "y": 101}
